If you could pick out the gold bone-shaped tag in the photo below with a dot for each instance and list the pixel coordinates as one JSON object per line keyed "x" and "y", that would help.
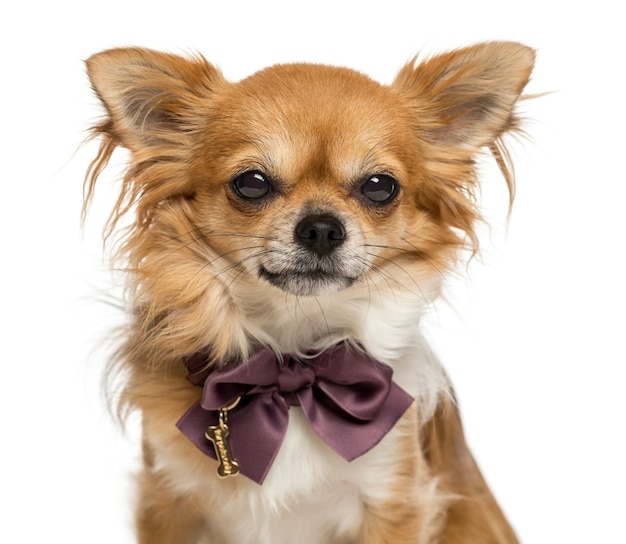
{"x": 218, "y": 435}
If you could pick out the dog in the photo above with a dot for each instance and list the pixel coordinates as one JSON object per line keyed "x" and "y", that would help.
{"x": 284, "y": 236}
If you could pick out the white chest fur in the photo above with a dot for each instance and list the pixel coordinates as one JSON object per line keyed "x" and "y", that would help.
{"x": 311, "y": 495}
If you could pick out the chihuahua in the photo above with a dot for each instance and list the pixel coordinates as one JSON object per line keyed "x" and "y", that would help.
{"x": 283, "y": 237}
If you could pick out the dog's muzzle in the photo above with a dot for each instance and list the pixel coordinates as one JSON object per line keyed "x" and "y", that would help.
{"x": 321, "y": 257}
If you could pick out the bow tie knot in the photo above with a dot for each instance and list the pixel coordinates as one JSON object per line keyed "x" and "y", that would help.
{"x": 348, "y": 398}
{"x": 293, "y": 377}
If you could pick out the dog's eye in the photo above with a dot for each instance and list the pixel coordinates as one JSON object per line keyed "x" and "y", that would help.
{"x": 252, "y": 185}
{"x": 380, "y": 188}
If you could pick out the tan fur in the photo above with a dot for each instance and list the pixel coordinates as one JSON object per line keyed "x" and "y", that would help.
{"x": 416, "y": 509}
{"x": 192, "y": 248}
{"x": 473, "y": 516}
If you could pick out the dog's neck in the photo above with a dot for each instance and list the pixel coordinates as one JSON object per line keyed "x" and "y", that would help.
{"x": 383, "y": 321}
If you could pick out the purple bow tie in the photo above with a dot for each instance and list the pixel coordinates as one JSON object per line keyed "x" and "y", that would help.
{"x": 348, "y": 398}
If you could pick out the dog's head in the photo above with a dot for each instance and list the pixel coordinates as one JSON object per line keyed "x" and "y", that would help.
{"x": 304, "y": 178}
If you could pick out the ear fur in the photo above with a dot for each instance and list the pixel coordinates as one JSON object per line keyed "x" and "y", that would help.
{"x": 150, "y": 96}
{"x": 155, "y": 103}
{"x": 466, "y": 97}
{"x": 460, "y": 102}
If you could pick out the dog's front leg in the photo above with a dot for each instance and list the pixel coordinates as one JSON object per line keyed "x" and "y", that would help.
{"x": 163, "y": 517}
{"x": 414, "y": 507}
{"x": 472, "y": 515}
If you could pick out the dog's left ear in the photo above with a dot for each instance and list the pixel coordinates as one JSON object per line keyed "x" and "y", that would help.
{"x": 466, "y": 97}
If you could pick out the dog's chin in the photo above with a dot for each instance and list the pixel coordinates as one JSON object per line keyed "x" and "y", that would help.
{"x": 312, "y": 283}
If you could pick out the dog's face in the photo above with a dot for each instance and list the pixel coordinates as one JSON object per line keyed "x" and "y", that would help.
{"x": 311, "y": 180}
{"x": 304, "y": 178}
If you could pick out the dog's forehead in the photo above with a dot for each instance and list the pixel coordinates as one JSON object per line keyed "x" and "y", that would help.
{"x": 308, "y": 77}
{"x": 336, "y": 117}
{"x": 317, "y": 93}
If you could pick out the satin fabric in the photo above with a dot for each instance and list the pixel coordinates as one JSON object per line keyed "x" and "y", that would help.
{"x": 348, "y": 398}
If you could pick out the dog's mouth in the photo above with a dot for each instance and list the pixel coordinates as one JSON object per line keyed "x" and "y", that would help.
{"x": 312, "y": 282}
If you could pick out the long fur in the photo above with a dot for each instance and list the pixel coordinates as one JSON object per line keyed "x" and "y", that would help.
{"x": 193, "y": 248}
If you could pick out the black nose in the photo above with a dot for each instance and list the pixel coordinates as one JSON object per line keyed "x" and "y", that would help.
{"x": 320, "y": 233}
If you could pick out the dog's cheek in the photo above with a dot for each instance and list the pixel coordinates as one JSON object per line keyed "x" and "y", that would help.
{"x": 233, "y": 231}
{"x": 383, "y": 226}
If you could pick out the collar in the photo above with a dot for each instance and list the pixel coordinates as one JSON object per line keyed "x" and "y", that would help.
{"x": 348, "y": 398}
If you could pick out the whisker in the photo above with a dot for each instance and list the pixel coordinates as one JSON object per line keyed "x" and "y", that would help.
{"x": 428, "y": 258}
{"x": 239, "y": 265}
{"x": 239, "y": 235}
{"x": 324, "y": 317}
{"x": 383, "y": 275}
{"x": 417, "y": 285}
{"x": 209, "y": 263}
{"x": 415, "y": 250}
{"x": 228, "y": 253}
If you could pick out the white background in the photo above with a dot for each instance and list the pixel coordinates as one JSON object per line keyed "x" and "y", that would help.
{"x": 532, "y": 337}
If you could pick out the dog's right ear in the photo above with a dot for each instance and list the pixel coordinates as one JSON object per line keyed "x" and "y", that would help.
{"x": 156, "y": 104}
{"x": 151, "y": 98}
